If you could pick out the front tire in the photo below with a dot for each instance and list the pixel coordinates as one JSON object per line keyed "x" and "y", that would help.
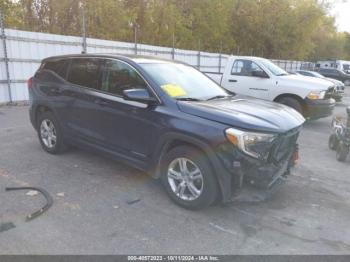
{"x": 188, "y": 178}
{"x": 50, "y": 134}
{"x": 342, "y": 152}
{"x": 293, "y": 103}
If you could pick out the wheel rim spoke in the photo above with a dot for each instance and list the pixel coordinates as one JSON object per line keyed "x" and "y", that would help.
{"x": 193, "y": 190}
{"x": 49, "y": 142}
{"x": 183, "y": 165}
{"x": 174, "y": 174}
{"x": 46, "y": 127}
{"x": 181, "y": 189}
{"x": 196, "y": 174}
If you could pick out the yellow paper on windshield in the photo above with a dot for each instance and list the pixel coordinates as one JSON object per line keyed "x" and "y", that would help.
{"x": 173, "y": 90}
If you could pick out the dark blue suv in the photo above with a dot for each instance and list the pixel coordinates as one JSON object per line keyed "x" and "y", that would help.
{"x": 167, "y": 119}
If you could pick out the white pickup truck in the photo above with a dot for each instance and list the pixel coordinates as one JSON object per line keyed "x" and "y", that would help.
{"x": 260, "y": 78}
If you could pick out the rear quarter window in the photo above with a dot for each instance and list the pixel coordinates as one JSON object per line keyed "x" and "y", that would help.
{"x": 57, "y": 66}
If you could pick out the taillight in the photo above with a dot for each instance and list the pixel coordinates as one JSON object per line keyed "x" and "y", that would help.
{"x": 30, "y": 82}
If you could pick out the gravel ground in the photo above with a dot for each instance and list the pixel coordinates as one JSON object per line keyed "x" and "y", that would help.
{"x": 308, "y": 215}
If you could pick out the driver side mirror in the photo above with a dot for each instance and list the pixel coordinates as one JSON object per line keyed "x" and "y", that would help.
{"x": 259, "y": 73}
{"x": 139, "y": 95}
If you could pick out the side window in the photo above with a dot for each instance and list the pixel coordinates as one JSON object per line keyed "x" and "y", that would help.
{"x": 119, "y": 76}
{"x": 85, "y": 72}
{"x": 244, "y": 68}
{"x": 57, "y": 66}
{"x": 255, "y": 67}
{"x": 237, "y": 67}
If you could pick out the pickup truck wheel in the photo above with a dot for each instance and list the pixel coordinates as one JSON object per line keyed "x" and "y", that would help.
{"x": 50, "y": 134}
{"x": 292, "y": 102}
{"x": 342, "y": 152}
{"x": 333, "y": 142}
{"x": 188, "y": 178}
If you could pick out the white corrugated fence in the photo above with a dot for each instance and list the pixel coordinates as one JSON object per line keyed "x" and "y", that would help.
{"x": 25, "y": 50}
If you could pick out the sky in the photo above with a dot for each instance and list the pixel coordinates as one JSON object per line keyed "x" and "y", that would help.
{"x": 341, "y": 11}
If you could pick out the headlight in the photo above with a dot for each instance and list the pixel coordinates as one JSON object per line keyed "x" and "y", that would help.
{"x": 256, "y": 145}
{"x": 316, "y": 95}
{"x": 340, "y": 86}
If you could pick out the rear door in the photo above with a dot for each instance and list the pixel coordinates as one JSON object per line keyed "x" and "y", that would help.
{"x": 84, "y": 77}
{"x": 241, "y": 81}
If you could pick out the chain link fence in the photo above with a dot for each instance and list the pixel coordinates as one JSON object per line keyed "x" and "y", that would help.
{"x": 292, "y": 66}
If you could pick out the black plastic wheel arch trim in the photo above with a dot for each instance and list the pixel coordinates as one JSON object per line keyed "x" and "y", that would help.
{"x": 49, "y": 200}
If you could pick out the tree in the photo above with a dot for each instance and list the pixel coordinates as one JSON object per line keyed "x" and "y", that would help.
{"x": 289, "y": 29}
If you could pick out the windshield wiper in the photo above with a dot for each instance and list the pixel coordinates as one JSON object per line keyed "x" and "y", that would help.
{"x": 217, "y": 97}
{"x": 283, "y": 74}
{"x": 187, "y": 99}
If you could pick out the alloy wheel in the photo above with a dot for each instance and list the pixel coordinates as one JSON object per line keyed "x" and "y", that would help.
{"x": 185, "y": 179}
{"x": 48, "y": 133}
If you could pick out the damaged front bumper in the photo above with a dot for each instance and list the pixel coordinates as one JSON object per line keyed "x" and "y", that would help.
{"x": 255, "y": 189}
{"x": 254, "y": 180}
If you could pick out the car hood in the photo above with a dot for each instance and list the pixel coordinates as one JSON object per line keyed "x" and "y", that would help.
{"x": 246, "y": 113}
{"x": 334, "y": 81}
{"x": 312, "y": 83}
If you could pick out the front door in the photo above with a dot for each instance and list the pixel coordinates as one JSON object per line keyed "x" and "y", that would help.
{"x": 84, "y": 77}
{"x": 127, "y": 127}
{"x": 242, "y": 81}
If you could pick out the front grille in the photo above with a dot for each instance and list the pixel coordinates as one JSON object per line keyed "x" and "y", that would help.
{"x": 285, "y": 145}
{"x": 330, "y": 92}
{"x": 340, "y": 88}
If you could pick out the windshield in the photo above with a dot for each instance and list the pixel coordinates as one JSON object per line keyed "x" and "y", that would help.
{"x": 317, "y": 75}
{"x": 183, "y": 82}
{"x": 274, "y": 69}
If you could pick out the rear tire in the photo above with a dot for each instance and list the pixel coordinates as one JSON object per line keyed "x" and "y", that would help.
{"x": 179, "y": 185}
{"x": 342, "y": 152}
{"x": 292, "y": 102}
{"x": 333, "y": 142}
{"x": 50, "y": 133}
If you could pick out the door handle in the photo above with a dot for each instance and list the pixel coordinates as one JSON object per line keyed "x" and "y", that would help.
{"x": 232, "y": 80}
{"x": 101, "y": 102}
